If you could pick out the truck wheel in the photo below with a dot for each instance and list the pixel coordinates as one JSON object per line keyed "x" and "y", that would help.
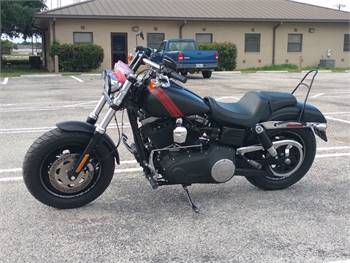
{"x": 206, "y": 74}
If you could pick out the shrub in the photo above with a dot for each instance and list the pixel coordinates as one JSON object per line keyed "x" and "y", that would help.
{"x": 6, "y": 47}
{"x": 77, "y": 57}
{"x": 227, "y": 54}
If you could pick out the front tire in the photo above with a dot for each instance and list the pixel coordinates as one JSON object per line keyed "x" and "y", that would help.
{"x": 268, "y": 182}
{"x": 51, "y": 155}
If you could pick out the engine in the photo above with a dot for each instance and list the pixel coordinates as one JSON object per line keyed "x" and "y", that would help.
{"x": 186, "y": 152}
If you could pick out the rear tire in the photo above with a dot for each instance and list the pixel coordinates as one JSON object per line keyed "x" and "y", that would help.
{"x": 206, "y": 74}
{"x": 309, "y": 144}
{"x": 42, "y": 153}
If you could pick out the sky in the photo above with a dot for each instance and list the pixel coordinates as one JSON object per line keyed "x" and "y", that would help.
{"x": 326, "y": 3}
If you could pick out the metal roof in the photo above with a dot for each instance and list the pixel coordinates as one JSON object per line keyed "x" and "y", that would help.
{"x": 216, "y": 10}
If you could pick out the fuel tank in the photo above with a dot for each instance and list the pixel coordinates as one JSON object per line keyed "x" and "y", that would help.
{"x": 174, "y": 101}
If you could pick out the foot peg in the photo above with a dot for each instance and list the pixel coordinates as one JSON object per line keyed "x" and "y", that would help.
{"x": 195, "y": 208}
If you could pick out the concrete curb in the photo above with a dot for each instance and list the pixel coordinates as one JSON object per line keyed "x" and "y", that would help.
{"x": 227, "y": 72}
{"x": 320, "y": 71}
{"x": 40, "y": 75}
{"x": 90, "y": 74}
{"x": 272, "y": 71}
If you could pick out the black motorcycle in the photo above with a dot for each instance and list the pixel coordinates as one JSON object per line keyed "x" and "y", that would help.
{"x": 179, "y": 137}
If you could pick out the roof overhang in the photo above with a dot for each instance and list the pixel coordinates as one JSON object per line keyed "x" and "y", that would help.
{"x": 209, "y": 19}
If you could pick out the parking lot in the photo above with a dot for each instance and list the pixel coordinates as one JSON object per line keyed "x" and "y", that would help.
{"x": 309, "y": 222}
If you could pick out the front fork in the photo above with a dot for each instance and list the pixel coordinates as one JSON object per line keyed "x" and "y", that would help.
{"x": 93, "y": 116}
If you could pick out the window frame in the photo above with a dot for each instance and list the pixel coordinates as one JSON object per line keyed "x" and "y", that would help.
{"x": 346, "y": 48}
{"x": 155, "y": 33}
{"x": 201, "y": 34}
{"x": 81, "y": 32}
{"x": 300, "y": 43}
{"x": 258, "y": 45}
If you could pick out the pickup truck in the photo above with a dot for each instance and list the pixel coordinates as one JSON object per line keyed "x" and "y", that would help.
{"x": 187, "y": 56}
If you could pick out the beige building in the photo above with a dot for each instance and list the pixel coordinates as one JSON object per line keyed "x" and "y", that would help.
{"x": 265, "y": 31}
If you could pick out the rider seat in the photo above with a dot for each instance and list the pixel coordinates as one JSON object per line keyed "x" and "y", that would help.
{"x": 252, "y": 108}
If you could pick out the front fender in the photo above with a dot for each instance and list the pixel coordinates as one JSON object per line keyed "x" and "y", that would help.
{"x": 79, "y": 126}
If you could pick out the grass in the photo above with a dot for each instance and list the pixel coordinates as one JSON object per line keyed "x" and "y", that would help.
{"x": 290, "y": 68}
{"x": 279, "y": 67}
{"x": 18, "y": 70}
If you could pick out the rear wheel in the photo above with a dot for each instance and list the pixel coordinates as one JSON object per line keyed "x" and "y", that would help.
{"x": 206, "y": 74}
{"x": 296, "y": 160}
{"x": 53, "y": 154}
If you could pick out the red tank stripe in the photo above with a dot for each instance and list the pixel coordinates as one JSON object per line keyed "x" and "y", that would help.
{"x": 167, "y": 102}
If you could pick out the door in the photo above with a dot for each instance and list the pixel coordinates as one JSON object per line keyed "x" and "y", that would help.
{"x": 119, "y": 47}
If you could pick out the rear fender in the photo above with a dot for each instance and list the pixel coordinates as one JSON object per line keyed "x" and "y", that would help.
{"x": 288, "y": 117}
{"x": 79, "y": 126}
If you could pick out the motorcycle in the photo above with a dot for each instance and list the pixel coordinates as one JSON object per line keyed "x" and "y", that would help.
{"x": 179, "y": 138}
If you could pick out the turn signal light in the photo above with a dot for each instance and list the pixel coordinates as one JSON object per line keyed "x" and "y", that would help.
{"x": 152, "y": 85}
{"x": 130, "y": 57}
{"x": 180, "y": 56}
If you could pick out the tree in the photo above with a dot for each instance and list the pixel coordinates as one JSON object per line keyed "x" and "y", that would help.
{"x": 17, "y": 17}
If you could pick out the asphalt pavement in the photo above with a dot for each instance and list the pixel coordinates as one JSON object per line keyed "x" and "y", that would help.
{"x": 309, "y": 222}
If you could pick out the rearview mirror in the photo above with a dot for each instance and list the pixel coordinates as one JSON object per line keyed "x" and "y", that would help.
{"x": 169, "y": 63}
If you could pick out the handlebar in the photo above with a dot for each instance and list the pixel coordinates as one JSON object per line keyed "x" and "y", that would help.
{"x": 177, "y": 76}
{"x": 170, "y": 73}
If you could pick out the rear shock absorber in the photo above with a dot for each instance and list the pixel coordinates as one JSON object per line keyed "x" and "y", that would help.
{"x": 265, "y": 140}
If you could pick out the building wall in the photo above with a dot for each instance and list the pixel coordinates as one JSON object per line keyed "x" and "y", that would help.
{"x": 315, "y": 45}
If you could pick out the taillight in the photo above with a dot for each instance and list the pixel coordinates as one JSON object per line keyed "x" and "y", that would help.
{"x": 217, "y": 55}
{"x": 180, "y": 56}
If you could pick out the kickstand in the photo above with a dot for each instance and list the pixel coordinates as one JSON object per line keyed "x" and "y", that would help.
{"x": 193, "y": 205}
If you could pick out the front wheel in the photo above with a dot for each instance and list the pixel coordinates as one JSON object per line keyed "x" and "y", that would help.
{"x": 292, "y": 169}
{"x": 53, "y": 154}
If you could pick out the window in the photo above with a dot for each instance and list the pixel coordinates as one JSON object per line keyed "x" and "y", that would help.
{"x": 155, "y": 39}
{"x": 346, "y": 42}
{"x": 182, "y": 45}
{"x": 204, "y": 38}
{"x": 295, "y": 42}
{"x": 82, "y": 37}
{"x": 252, "y": 42}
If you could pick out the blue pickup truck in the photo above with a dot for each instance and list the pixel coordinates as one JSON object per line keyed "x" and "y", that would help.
{"x": 187, "y": 56}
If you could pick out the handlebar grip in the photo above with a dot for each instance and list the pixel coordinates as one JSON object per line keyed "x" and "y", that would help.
{"x": 177, "y": 76}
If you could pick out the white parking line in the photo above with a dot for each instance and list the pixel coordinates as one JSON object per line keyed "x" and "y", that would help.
{"x": 333, "y": 148}
{"x": 16, "y": 170}
{"x": 77, "y": 79}
{"x": 337, "y": 113}
{"x": 227, "y": 97}
{"x": 4, "y": 82}
{"x": 332, "y": 155}
{"x": 117, "y": 171}
{"x": 336, "y": 119}
{"x": 317, "y": 95}
{"x": 45, "y": 129}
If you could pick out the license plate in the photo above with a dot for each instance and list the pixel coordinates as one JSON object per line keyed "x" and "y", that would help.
{"x": 199, "y": 65}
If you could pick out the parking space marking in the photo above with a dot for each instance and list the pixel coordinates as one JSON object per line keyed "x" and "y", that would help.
{"x": 317, "y": 95}
{"x": 332, "y": 155}
{"x": 227, "y": 97}
{"x": 77, "y": 79}
{"x": 337, "y": 113}
{"x": 45, "y": 129}
{"x": 333, "y": 148}
{"x": 4, "y": 82}
{"x": 336, "y": 119}
{"x": 16, "y": 170}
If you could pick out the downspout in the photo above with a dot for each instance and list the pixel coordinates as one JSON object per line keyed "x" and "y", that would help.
{"x": 274, "y": 42}
{"x": 181, "y": 27}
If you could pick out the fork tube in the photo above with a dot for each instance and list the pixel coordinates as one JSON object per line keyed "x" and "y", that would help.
{"x": 101, "y": 128}
{"x": 93, "y": 116}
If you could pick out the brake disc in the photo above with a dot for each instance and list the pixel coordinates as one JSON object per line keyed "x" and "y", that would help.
{"x": 61, "y": 181}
